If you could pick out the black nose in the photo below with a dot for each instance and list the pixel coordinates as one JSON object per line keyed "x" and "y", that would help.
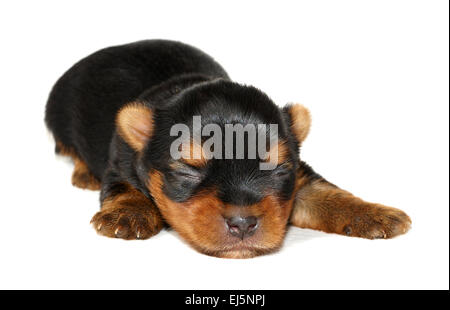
{"x": 242, "y": 227}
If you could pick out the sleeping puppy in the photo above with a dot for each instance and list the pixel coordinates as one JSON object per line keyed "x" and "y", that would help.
{"x": 160, "y": 129}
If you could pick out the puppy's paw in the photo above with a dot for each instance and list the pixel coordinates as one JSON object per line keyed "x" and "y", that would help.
{"x": 127, "y": 222}
{"x": 83, "y": 178}
{"x": 379, "y": 222}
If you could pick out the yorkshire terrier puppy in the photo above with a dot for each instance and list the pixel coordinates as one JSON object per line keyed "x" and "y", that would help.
{"x": 118, "y": 114}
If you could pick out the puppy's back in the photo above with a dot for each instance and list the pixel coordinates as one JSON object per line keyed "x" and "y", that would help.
{"x": 82, "y": 105}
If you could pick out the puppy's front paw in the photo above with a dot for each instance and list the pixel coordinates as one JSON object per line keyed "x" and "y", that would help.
{"x": 378, "y": 222}
{"x": 127, "y": 222}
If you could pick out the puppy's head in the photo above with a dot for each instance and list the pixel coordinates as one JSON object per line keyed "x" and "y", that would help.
{"x": 220, "y": 174}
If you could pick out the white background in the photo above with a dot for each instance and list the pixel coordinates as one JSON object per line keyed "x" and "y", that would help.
{"x": 373, "y": 73}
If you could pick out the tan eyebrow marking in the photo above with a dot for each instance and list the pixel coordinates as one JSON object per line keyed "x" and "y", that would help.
{"x": 280, "y": 151}
{"x": 194, "y": 156}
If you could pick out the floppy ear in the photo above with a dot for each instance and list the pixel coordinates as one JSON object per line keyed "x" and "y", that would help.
{"x": 134, "y": 124}
{"x": 300, "y": 120}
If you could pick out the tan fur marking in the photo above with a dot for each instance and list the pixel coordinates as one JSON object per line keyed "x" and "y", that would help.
{"x": 280, "y": 151}
{"x": 322, "y": 206}
{"x": 194, "y": 156}
{"x": 65, "y": 151}
{"x": 81, "y": 176}
{"x": 134, "y": 123}
{"x": 301, "y": 121}
{"x": 200, "y": 221}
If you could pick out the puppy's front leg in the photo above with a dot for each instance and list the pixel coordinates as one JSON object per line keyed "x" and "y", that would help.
{"x": 321, "y": 205}
{"x": 127, "y": 213}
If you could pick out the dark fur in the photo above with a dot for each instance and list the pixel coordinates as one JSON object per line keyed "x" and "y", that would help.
{"x": 175, "y": 81}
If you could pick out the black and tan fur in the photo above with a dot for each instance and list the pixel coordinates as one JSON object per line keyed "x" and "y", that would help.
{"x": 112, "y": 113}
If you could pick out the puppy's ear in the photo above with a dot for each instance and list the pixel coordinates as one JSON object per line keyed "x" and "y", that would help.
{"x": 299, "y": 120}
{"x": 134, "y": 124}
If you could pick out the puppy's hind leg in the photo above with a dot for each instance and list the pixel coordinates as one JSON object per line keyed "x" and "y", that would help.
{"x": 82, "y": 177}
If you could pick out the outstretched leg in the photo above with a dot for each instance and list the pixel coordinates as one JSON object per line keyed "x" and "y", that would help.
{"x": 321, "y": 205}
{"x": 126, "y": 213}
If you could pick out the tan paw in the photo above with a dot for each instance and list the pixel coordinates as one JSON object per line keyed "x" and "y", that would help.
{"x": 379, "y": 222}
{"x": 127, "y": 222}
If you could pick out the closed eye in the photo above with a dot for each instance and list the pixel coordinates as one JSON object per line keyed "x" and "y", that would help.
{"x": 181, "y": 180}
{"x": 188, "y": 175}
{"x": 183, "y": 171}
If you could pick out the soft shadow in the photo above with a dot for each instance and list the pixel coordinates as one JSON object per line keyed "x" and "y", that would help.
{"x": 295, "y": 235}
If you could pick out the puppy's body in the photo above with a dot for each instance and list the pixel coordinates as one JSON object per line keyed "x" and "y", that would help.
{"x": 113, "y": 113}
{"x": 83, "y": 104}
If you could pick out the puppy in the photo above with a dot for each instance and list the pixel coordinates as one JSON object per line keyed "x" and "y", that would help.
{"x": 116, "y": 112}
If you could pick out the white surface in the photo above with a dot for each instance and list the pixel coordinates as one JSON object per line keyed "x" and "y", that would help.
{"x": 373, "y": 73}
